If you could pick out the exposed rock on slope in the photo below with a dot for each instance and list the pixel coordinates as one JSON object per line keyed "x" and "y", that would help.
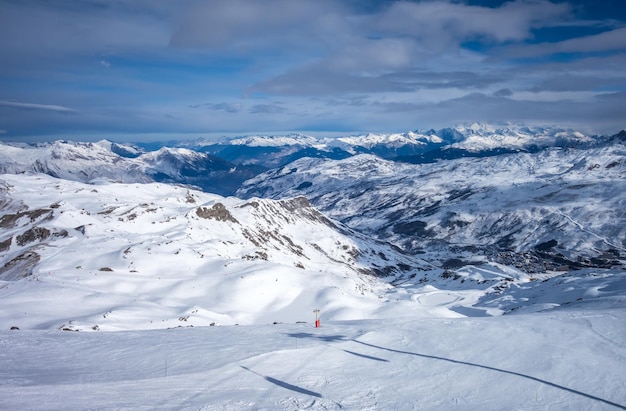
{"x": 563, "y": 205}
{"x": 221, "y": 260}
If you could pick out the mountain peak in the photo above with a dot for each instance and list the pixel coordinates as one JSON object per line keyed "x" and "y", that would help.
{"x": 274, "y": 140}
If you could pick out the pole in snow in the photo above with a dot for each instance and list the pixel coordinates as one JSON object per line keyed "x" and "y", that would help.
{"x": 317, "y": 318}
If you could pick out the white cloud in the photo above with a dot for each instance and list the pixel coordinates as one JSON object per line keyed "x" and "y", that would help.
{"x": 300, "y": 63}
{"x": 442, "y": 25}
{"x": 612, "y": 40}
{"x": 409, "y": 46}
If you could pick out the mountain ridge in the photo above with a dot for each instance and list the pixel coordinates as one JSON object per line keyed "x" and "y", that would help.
{"x": 359, "y": 236}
{"x": 104, "y": 160}
{"x": 512, "y": 202}
{"x": 133, "y": 239}
{"x": 274, "y": 151}
{"x": 221, "y": 167}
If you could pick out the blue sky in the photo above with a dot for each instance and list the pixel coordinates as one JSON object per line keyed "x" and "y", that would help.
{"x": 152, "y": 69}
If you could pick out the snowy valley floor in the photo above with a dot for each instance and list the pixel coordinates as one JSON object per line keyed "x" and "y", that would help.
{"x": 559, "y": 360}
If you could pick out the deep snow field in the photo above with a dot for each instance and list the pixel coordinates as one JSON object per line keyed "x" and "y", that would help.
{"x": 126, "y": 279}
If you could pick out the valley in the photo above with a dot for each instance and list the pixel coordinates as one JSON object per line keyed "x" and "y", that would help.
{"x": 467, "y": 268}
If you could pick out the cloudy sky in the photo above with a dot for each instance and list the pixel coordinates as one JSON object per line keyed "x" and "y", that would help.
{"x": 148, "y": 69}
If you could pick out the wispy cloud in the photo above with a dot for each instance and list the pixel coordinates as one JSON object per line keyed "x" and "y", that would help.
{"x": 228, "y": 107}
{"x": 246, "y": 24}
{"x": 387, "y": 65}
{"x": 34, "y": 106}
{"x": 267, "y": 109}
{"x": 614, "y": 40}
{"x": 51, "y": 27}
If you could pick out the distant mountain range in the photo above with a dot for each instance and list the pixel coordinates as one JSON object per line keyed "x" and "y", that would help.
{"x": 221, "y": 167}
{"x": 557, "y": 206}
{"x": 335, "y": 223}
{"x": 412, "y": 146}
{"x": 107, "y": 161}
{"x": 476, "y": 190}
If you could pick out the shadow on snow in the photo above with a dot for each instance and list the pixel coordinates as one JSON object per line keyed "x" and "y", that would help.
{"x": 284, "y": 384}
{"x": 332, "y": 338}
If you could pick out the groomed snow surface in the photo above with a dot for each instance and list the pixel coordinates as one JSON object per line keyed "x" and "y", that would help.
{"x": 565, "y": 360}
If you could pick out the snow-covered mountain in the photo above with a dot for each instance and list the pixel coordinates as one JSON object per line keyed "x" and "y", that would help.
{"x": 107, "y": 161}
{"x": 116, "y": 255}
{"x": 564, "y": 206}
{"x": 153, "y": 260}
{"x": 416, "y": 146}
{"x": 221, "y": 167}
{"x": 479, "y": 229}
{"x": 86, "y": 162}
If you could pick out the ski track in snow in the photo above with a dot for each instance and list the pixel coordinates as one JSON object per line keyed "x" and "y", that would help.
{"x": 582, "y": 228}
{"x": 528, "y": 362}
